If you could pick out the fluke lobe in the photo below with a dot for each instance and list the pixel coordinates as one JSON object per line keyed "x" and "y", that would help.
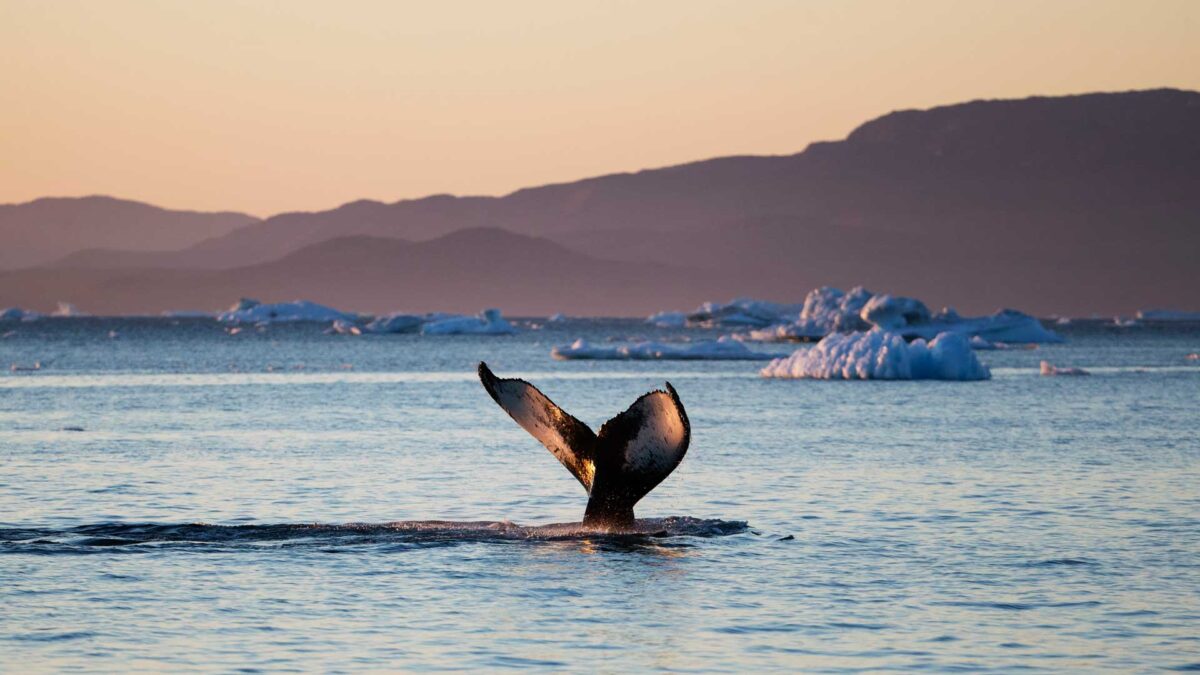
{"x": 633, "y": 452}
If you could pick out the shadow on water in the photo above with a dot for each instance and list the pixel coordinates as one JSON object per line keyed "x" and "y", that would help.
{"x": 650, "y": 533}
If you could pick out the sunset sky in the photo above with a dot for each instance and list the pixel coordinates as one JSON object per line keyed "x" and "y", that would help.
{"x": 266, "y": 107}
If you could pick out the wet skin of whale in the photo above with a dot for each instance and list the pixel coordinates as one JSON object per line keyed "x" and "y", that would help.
{"x": 633, "y": 452}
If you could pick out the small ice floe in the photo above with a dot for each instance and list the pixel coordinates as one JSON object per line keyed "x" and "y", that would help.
{"x": 1049, "y": 370}
{"x": 1194, "y": 356}
{"x": 21, "y": 368}
{"x": 882, "y": 355}
{"x": 1167, "y": 315}
{"x": 249, "y": 310}
{"x": 1124, "y": 323}
{"x": 556, "y": 318}
{"x": 739, "y": 312}
{"x": 487, "y": 322}
{"x": 724, "y": 349}
{"x": 8, "y": 334}
{"x": 113, "y": 335}
{"x": 66, "y": 309}
{"x": 398, "y": 322}
{"x": 234, "y": 330}
{"x": 340, "y": 327}
{"x": 668, "y": 319}
{"x": 1063, "y": 321}
{"x": 986, "y": 345}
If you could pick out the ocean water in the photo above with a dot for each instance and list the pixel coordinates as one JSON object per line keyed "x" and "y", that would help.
{"x": 177, "y": 498}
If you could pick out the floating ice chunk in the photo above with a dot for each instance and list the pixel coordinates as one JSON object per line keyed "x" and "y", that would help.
{"x": 487, "y": 322}
{"x": 1049, "y": 370}
{"x": 248, "y": 310}
{"x": 1006, "y": 325}
{"x": 1194, "y": 356}
{"x": 1063, "y": 321}
{"x": 891, "y": 313}
{"x": 1167, "y": 315}
{"x": 801, "y": 331}
{"x": 1124, "y": 323}
{"x": 66, "y": 309}
{"x": 340, "y": 327}
{"x": 398, "y": 322}
{"x": 556, "y": 318}
{"x": 668, "y": 319}
{"x": 882, "y": 355}
{"x": 724, "y": 349}
{"x": 742, "y": 312}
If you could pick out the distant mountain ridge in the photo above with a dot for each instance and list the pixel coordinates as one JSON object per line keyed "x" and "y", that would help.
{"x": 40, "y": 231}
{"x": 1068, "y": 204}
{"x": 463, "y": 271}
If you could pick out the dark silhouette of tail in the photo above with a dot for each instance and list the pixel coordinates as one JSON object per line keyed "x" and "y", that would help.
{"x": 633, "y": 452}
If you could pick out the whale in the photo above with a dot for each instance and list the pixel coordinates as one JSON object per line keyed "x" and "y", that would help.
{"x": 632, "y": 453}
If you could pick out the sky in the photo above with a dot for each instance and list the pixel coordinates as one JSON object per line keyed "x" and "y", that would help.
{"x": 266, "y": 107}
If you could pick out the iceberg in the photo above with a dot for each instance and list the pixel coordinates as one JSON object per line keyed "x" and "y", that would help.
{"x": 340, "y": 327}
{"x": 249, "y": 310}
{"x": 487, "y": 322}
{"x": 556, "y": 318}
{"x": 746, "y": 312}
{"x": 1167, "y": 315}
{"x": 66, "y": 309}
{"x": 723, "y": 349}
{"x": 1124, "y": 323}
{"x": 828, "y": 310}
{"x": 1048, "y": 370}
{"x": 895, "y": 313}
{"x": 1006, "y": 325}
{"x": 882, "y": 355}
{"x": 668, "y": 319}
{"x": 398, "y": 322}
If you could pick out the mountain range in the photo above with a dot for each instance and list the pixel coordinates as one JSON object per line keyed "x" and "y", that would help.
{"x": 1074, "y": 204}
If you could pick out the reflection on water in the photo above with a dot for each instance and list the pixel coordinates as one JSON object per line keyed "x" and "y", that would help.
{"x": 180, "y": 498}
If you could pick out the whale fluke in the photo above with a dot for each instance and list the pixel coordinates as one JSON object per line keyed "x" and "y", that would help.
{"x": 633, "y": 452}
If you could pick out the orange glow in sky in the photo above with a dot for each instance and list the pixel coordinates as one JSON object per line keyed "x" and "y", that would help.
{"x": 297, "y": 105}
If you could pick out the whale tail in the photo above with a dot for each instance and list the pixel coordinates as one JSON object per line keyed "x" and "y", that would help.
{"x": 633, "y": 452}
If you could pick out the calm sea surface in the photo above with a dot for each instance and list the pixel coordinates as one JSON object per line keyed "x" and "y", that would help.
{"x": 173, "y": 497}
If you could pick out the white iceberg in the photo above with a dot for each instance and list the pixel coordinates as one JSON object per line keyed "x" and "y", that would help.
{"x": 66, "y": 309}
{"x": 249, "y": 310}
{"x": 724, "y": 349}
{"x": 745, "y": 312}
{"x": 668, "y": 319}
{"x": 894, "y": 313}
{"x": 1124, "y": 323}
{"x": 340, "y": 327}
{"x": 556, "y": 318}
{"x": 398, "y": 322}
{"x": 487, "y": 322}
{"x": 1167, "y": 315}
{"x": 882, "y": 355}
{"x": 1006, "y": 325}
{"x": 1048, "y": 370}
